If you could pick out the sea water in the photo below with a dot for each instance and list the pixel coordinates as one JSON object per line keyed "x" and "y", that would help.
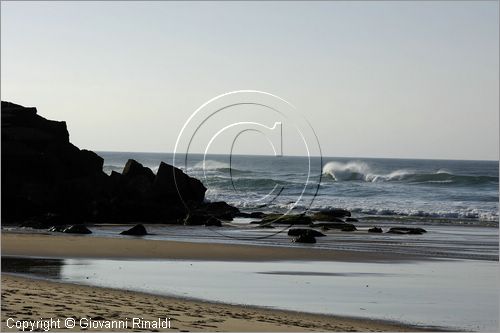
{"x": 442, "y": 191}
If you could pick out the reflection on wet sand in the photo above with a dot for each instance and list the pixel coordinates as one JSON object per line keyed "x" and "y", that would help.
{"x": 42, "y": 267}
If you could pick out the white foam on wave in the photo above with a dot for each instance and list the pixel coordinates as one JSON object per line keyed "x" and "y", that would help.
{"x": 355, "y": 170}
{"x": 210, "y": 165}
{"x": 360, "y": 171}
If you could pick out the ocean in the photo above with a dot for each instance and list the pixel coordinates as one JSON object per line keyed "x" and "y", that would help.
{"x": 428, "y": 191}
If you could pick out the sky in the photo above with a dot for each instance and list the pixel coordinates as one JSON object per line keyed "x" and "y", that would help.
{"x": 394, "y": 79}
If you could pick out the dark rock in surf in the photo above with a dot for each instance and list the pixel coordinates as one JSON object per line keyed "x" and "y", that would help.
{"x": 219, "y": 209}
{"x": 333, "y": 215}
{"x": 213, "y": 222}
{"x": 257, "y": 215}
{"x": 57, "y": 228}
{"x": 310, "y": 232}
{"x": 137, "y": 230}
{"x": 406, "y": 231}
{"x": 323, "y": 217}
{"x": 287, "y": 219}
{"x": 375, "y": 230}
{"x": 349, "y": 227}
{"x": 351, "y": 219}
{"x": 330, "y": 225}
{"x": 304, "y": 239}
{"x": 253, "y": 215}
{"x": 77, "y": 229}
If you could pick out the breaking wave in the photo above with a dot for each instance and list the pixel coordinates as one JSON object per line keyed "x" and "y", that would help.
{"x": 216, "y": 166}
{"x": 361, "y": 171}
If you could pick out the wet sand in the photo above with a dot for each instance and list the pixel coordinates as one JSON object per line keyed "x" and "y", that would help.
{"x": 81, "y": 246}
{"x": 31, "y": 299}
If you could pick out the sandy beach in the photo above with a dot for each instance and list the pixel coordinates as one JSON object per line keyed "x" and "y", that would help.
{"x": 45, "y": 245}
{"x": 24, "y": 298}
{"x": 28, "y": 299}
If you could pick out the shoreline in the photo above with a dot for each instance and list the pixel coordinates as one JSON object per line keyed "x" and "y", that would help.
{"x": 82, "y": 246}
{"x": 48, "y": 298}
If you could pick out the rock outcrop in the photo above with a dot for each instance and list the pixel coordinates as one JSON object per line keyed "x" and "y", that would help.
{"x": 42, "y": 172}
{"x": 47, "y": 181}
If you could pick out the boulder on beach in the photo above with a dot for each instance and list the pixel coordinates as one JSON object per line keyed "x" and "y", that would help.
{"x": 311, "y": 232}
{"x": 304, "y": 239}
{"x": 77, "y": 229}
{"x": 137, "y": 230}
{"x": 375, "y": 230}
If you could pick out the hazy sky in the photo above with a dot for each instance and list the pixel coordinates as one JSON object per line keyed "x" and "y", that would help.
{"x": 374, "y": 79}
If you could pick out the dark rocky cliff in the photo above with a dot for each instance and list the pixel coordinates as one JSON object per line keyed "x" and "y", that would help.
{"x": 43, "y": 175}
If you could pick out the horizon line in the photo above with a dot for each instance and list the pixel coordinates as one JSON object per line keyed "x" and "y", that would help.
{"x": 322, "y": 156}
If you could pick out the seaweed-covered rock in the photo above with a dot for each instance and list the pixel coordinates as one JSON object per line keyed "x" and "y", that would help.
{"x": 323, "y": 217}
{"x": 375, "y": 230}
{"x": 333, "y": 215}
